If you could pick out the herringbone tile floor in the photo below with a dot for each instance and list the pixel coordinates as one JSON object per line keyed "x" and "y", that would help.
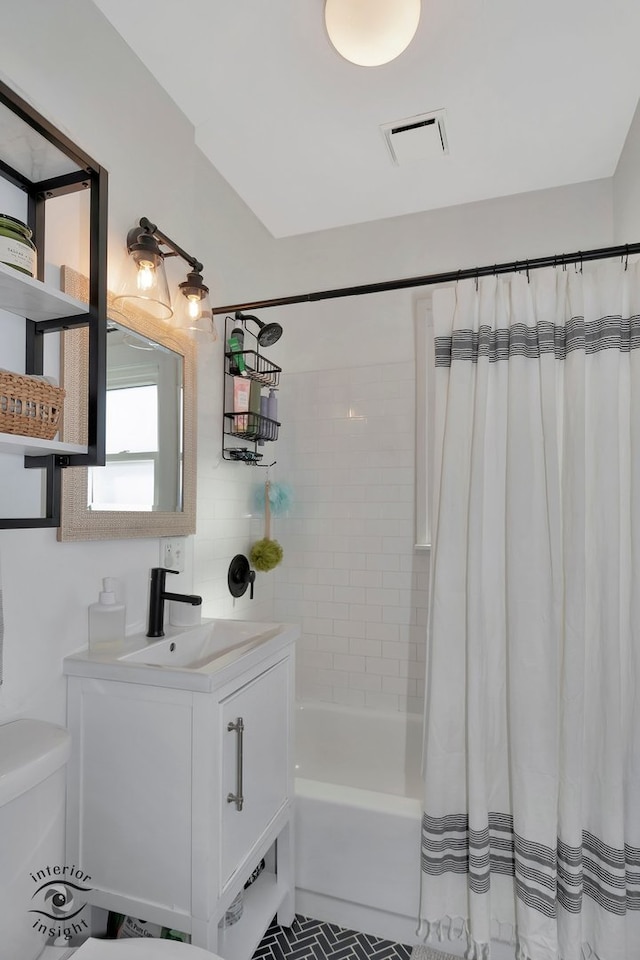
{"x": 314, "y": 940}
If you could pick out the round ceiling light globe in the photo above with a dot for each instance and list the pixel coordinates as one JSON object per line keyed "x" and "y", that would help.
{"x": 371, "y": 32}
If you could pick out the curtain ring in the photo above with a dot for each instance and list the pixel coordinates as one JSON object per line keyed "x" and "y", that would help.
{"x": 626, "y": 257}
{"x": 477, "y": 281}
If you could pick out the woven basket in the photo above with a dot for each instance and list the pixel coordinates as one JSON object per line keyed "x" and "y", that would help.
{"x": 29, "y": 407}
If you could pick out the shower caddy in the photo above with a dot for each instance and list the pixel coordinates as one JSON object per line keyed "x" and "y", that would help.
{"x": 248, "y": 426}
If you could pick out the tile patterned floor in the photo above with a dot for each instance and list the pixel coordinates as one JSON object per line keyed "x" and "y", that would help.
{"x": 314, "y": 940}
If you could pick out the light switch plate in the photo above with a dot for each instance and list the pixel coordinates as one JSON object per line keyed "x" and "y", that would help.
{"x": 172, "y": 553}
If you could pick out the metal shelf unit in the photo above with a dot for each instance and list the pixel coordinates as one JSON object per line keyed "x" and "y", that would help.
{"x": 41, "y": 161}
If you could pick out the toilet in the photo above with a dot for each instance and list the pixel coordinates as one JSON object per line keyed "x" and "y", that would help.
{"x": 33, "y": 758}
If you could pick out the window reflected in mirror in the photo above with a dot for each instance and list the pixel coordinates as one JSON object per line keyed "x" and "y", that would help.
{"x": 143, "y": 468}
{"x": 147, "y": 486}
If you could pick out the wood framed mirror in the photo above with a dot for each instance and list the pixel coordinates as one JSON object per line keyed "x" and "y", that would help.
{"x": 148, "y": 486}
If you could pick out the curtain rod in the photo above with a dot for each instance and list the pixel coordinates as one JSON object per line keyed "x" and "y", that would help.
{"x": 559, "y": 260}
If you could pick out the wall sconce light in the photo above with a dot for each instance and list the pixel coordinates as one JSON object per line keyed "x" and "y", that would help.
{"x": 371, "y": 32}
{"x": 268, "y": 332}
{"x": 145, "y": 283}
{"x": 196, "y": 310}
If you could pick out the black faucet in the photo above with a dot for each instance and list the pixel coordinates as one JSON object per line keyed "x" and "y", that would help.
{"x": 157, "y": 597}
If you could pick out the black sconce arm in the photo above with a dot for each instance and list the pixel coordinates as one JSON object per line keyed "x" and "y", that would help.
{"x": 151, "y": 229}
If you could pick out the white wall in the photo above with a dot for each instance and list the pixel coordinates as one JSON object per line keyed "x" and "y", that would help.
{"x": 626, "y": 187}
{"x": 233, "y": 241}
{"x": 68, "y": 62}
{"x": 247, "y": 265}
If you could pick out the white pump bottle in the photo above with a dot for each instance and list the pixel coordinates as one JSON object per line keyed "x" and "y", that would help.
{"x": 106, "y": 620}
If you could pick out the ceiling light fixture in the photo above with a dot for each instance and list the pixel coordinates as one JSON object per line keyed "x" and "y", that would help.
{"x": 145, "y": 284}
{"x": 371, "y": 32}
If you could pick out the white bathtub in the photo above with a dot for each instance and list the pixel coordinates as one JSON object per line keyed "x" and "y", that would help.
{"x": 358, "y": 818}
{"x": 358, "y": 814}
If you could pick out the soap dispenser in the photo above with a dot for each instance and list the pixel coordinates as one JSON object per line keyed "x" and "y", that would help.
{"x": 106, "y": 619}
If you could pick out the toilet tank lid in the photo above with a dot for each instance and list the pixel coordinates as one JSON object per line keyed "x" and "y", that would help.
{"x": 30, "y": 751}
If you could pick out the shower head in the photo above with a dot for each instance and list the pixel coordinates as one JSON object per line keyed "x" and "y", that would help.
{"x": 268, "y": 333}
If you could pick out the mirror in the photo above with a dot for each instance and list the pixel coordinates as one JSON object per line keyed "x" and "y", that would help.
{"x": 147, "y": 487}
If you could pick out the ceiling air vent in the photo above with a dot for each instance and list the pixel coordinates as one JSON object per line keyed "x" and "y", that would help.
{"x": 416, "y": 138}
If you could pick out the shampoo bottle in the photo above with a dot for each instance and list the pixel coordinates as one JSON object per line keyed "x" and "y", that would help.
{"x": 264, "y": 426}
{"x": 272, "y": 404}
{"x": 106, "y": 619}
{"x": 236, "y": 346}
{"x": 272, "y": 413}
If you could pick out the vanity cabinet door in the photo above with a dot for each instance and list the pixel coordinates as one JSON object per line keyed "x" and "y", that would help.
{"x": 263, "y": 704}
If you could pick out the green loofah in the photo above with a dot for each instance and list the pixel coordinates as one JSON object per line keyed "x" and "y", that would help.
{"x": 266, "y": 554}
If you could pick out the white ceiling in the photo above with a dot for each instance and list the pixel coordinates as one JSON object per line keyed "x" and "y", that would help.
{"x": 535, "y": 95}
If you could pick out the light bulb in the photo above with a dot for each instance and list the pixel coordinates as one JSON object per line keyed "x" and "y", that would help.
{"x": 146, "y": 275}
{"x": 193, "y": 307}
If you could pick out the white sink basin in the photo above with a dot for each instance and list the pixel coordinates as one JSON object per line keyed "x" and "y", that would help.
{"x": 196, "y": 647}
{"x": 189, "y": 658}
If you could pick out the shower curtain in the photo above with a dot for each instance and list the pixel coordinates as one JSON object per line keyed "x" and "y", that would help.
{"x": 531, "y": 826}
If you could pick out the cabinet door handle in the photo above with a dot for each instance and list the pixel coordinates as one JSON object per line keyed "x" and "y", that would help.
{"x": 237, "y": 797}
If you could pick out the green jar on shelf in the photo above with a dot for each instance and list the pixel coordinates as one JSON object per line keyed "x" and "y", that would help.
{"x": 17, "y": 249}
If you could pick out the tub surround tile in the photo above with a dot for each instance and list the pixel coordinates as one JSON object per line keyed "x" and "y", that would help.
{"x": 383, "y": 667}
{"x": 413, "y": 668}
{"x": 365, "y": 681}
{"x": 350, "y": 628}
{"x": 337, "y": 644}
{"x": 366, "y": 578}
{"x": 383, "y": 701}
{"x": 310, "y": 939}
{"x": 308, "y": 687}
{"x": 336, "y": 678}
{"x": 348, "y": 698}
{"x": 388, "y": 632}
{"x": 349, "y": 662}
{"x": 331, "y": 577}
{"x": 322, "y": 659}
{"x": 403, "y": 686}
{"x": 365, "y": 648}
{"x": 348, "y": 452}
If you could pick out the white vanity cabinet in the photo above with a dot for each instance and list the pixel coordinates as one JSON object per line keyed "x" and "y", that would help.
{"x": 176, "y": 795}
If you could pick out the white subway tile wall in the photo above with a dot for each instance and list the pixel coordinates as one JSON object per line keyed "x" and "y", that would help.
{"x": 350, "y": 573}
